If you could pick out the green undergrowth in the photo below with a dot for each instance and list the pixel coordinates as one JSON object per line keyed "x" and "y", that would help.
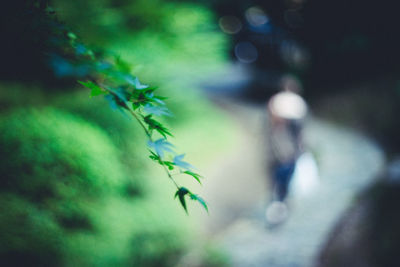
{"x": 67, "y": 199}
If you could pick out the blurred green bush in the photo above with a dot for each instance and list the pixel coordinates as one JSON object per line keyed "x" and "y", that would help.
{"x": 47, "y": 153}
{"x": 178, "y": 39}
{"x": 64, "y": 200}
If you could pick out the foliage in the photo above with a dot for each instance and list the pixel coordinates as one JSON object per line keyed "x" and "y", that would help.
{"x": 127, "y": 94}
{"x": 111, "y": 20}
{"x": 106, "y": 75}
{"x": 179, "y": 40}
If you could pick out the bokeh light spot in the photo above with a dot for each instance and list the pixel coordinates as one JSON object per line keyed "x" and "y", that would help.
{"x": 230, "y": 24}
{"x": 246, "y": 52}
{"x": 256, "y": 16}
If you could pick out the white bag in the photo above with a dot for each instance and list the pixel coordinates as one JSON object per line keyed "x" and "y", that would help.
{"x": 305, "y": 177}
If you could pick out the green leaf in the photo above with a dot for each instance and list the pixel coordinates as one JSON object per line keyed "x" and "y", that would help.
{"x": 96, "y": 90}
{"x": 155, "y": 157}
{"x": 180, "y": 193}
{"x": 117, "y": 97}
{"x": 159, "y": 99}
{"x": 170, "y": 165}
{"x": 182, "y": 164}
{"x": 116, "y": 103}
{"x": 134, "y": 81}
{"x": 200, "y": 200}
{"x": 155, "y": 125}
{"x": 194, "y": 175}
{"x": 156, "y": 110}
{"x": 160, "y": 146}
{"x": 144, "y": 97}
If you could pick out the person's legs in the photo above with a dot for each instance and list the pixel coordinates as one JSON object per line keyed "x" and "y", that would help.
{"x": 277, "y": 210}
{"x": 283, "y": 176}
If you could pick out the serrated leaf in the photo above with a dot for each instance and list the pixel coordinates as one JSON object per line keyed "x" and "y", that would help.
{"x": 180, "y": 193}
{"x": 144, "y": 97}
{"x": 155, "y": 125}
{"x": 163, "y": 131}
{"x": 194, "y": 175}
{"x": 95, "y": 89}
{"x": 116, "y": 102}
{"x": 159, "y": 100}
{"x": 182, "y": 164}
{"x": 161, "y": 146}
{"x": 134, "y": 81}
{"x": 200, "y": 200}
{"x": 156, "y": 110}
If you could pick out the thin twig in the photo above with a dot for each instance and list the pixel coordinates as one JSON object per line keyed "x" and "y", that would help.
{"x": 151, "y": 140}
{"x": 148, "y": 135}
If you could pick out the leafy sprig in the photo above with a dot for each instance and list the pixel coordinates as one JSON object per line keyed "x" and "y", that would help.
{"x": 126, "y": 93}
{"x": 109, "y": 76}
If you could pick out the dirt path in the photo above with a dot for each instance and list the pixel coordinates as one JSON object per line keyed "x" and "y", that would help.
{"x": 236, "y": 190}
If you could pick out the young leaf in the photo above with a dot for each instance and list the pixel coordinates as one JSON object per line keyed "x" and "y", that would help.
{"x": 159, "y": 100}
{"x": 135, "y": 82}
{"x": 161, "y": 146}
{"x": 155, "y": 157}
{"x": 182, "y": 164}
{"x": 116, "y": 102}
{"x": 153, "y": 98}
{"x": 180, "y": 193}
{"x": 156, "y": 110}
{"x": 155, "y": 125}
{"x": 170, "y": 165}
{"x": 95, "y": 89}
{"x": 200, "y": 200}
{"x": 194, "y": 175}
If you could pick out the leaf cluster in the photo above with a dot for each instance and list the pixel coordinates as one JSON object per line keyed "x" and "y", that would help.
{"x": 109, "y": 76}
{"x": 112, "y": 79}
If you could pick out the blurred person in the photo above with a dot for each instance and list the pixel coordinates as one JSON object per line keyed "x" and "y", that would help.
{"x": 286, "y": 113}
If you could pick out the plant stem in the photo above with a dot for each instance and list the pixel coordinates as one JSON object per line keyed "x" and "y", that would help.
{"x": 141, "y": 124}
{"x": 151, "y": 139}
{"x": 148, "y": 135}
